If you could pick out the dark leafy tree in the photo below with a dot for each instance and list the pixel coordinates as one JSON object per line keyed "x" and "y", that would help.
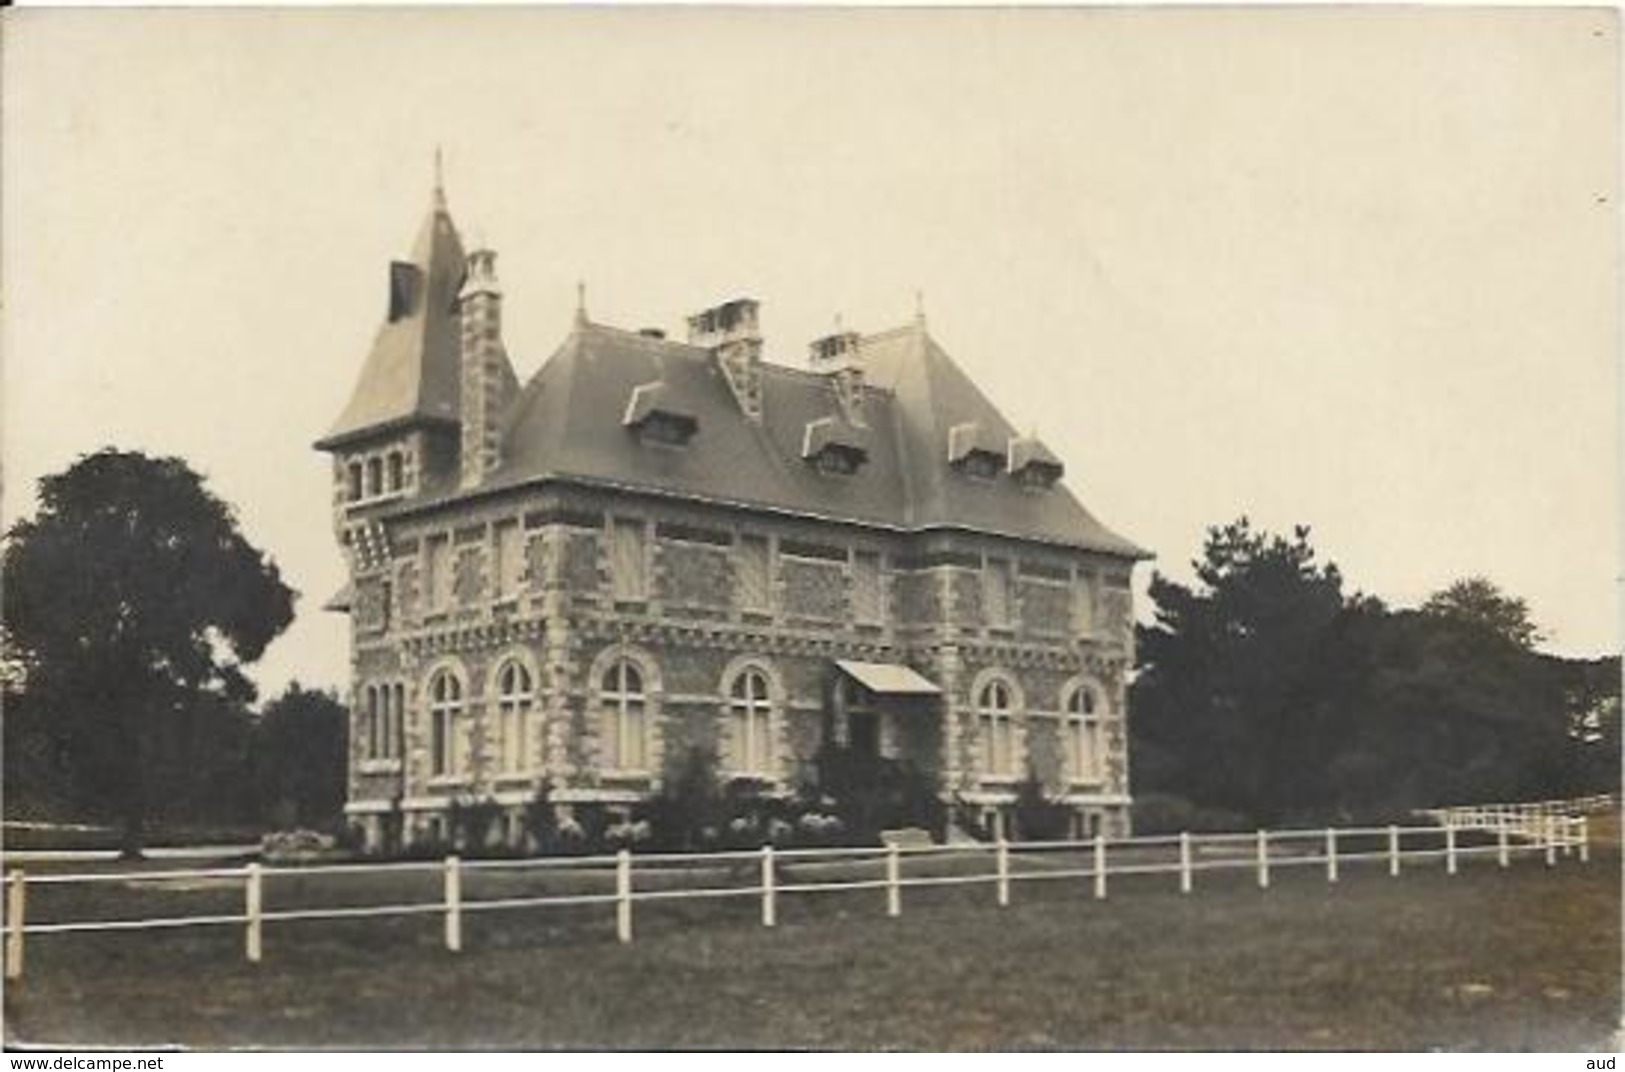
{"x": 1266, "y": 692}
{"x": 300, "y": 752}
{"x": 1220, "y": 700}
{"x": 130, "y": 595}
{"x": 1476, "y": 603}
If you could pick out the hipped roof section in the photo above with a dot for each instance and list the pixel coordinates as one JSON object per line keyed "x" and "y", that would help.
{"x": 567, "y": 424}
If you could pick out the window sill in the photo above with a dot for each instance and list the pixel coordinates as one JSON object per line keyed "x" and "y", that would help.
{"x": 450, "y": 781}
{"x": 625, "y": 775}
{"x": 515, "y": 777}
{"x": 999, "y": 779}
{"x": 767, "y": 778}
{"x": 379, "y": 766}
{"x": 375, "y": 500}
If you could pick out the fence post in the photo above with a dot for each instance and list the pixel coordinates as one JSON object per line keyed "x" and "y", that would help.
{"x": 1331, "y": 854}
{"x": 1393, "y": 850}
{"x": 454, "y": 904}
{"x": 1502, "y": 849}
{"x": 16, "y": 909}
{"x": 1263, "y": 859}
{"x": 769, "y": 913}
{"x": 1001, "y": 855}
{"x": 1450, "y": 850}
{"x": 1184, "y": 861}
{"x": 894, "y": 892}
{"x": 1585, "y": 838}
{"x": 1549, "y": 828}
{"x": 623, "y": 895}
{"x": 253, "y": 896}
{"x": 1100, "y": 867}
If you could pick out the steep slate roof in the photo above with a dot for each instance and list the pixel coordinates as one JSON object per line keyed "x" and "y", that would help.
{"x": 411, "y": 373}
{"x": 567, "y": 424}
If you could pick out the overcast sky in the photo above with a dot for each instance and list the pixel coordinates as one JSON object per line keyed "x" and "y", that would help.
{"x": 1354, "y": 269}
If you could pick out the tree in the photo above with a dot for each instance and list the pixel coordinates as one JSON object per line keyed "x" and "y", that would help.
{"x": 301, "y": 752}
{"x": 132, "y": 595}
{"x": 1265, "y": 691}
{"x": 1477, "y": 603}
{"x": 1222, "y": 712}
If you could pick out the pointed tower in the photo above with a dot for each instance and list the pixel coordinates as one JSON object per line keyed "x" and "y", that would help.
{"x": 398, "y": 434}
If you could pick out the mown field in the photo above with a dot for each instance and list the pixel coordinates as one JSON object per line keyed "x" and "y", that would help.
{"x": 1526, "y": 958}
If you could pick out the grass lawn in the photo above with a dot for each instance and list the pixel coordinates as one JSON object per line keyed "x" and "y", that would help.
{"x": 1528, "y": 958}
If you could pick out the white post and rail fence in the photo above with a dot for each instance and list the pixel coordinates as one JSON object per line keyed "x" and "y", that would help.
{"x": 770, "y": 874}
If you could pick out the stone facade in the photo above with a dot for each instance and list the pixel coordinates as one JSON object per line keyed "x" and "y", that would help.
{"x": 692, "y": 635}
{"x": 513, "y": 629}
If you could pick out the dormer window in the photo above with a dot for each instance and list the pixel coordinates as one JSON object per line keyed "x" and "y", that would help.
{"x": 973, "y": 452}
{"x": 404, "y": 283}
{"x": 833, "y": 445}
{"x": 655, "y": 414}
{"x": 1032, "y": 464}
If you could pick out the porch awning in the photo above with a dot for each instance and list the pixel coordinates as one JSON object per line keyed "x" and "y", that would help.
{"x": 888, "y": 679}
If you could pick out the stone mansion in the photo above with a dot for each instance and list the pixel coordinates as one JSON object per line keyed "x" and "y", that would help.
{"x": 656, "y": 545}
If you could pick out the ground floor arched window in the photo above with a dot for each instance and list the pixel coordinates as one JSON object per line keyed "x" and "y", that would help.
{"x": 748, "y": 742}
{"x": 445, "y": 718}
{"x": 623, "y": 714}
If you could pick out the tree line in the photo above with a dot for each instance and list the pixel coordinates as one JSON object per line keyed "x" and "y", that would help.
{"x": 1267, "y": 694}
{"x": 133, "y": 604}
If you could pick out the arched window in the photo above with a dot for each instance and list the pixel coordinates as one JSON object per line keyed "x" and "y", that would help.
{"x": 445, "y": 711}
{"x": 514, "y": 699}
{"x": 1081, "y": 736}
{"x": 749, "y": 743}
{"x": 375, "y": 477}
{"x": 353, "y": 471}
{"x": 396, "y": 471}
{"x": 996, "y": 729}
{"x": 623, "y": 725}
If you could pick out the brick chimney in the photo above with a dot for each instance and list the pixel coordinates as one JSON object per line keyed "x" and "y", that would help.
{"x": 483, "y": 361}
{"x": 839, "y": 357}
{"x": 732, "y": 332}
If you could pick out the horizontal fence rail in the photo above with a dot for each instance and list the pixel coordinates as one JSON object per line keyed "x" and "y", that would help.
{"x": 769, "y": 874}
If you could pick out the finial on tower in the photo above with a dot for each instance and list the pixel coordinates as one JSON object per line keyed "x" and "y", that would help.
{"x": 919, "y": 308}
{"x": 439, "y": 179}
{"x": 581, "y": 301}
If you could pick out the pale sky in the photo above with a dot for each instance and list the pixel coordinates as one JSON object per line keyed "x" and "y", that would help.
{"x": 1356, "y": 269}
